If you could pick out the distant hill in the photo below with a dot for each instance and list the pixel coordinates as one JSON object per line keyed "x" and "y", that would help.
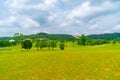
{"x": 52, "y": 36}
{"x": 5, "y": 38}
{"x": 45, "y": 35}
{"x": 107, "y": 36}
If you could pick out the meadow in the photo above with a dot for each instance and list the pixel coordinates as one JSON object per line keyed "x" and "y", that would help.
{"x": 100, "y": 62}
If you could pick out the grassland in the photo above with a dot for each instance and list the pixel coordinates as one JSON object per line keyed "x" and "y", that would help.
{"x": 74, "y": 63}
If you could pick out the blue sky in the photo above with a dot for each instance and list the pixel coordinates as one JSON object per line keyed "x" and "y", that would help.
{"x": 74, "y": 17}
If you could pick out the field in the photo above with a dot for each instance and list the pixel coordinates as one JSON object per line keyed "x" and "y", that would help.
{"x": 74, "y": 63}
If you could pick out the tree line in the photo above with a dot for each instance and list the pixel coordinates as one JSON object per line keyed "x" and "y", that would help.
{"x": 41, "y": 44}
{"x": 50, "y": 44}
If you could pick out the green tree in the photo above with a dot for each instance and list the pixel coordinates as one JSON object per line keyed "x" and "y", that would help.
{"x": 37, "y": 45}
{"x": 53, "y": 44}
{"x": 27, "y": 44}
{"x": 62, "y": 45}
{"x": 83, "y": 39}
{"x": 43, "y": 44}
{"x": 48, "y": 45}
{"x": 114, "y": 42}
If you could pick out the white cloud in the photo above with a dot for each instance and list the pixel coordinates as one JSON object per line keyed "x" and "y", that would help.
{"x": 8, "y": 22}
{"x": 24, "y": 5}
{"x": 15, "y": 3}
{"x": 52, "y": 17}
{"x": 83, "y": 10}
{"x": 94, "y": 27}
{"x": 49, "y": 2}
{"x": 29, "y": 23}
{"x": 22, "y": 21}
{"x": 86, "y": 9}
{"x": 116, "y": 28}
{"x": 61, "y": 16}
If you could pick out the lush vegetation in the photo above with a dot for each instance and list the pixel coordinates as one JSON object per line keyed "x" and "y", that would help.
{"x": 59, "y": 57}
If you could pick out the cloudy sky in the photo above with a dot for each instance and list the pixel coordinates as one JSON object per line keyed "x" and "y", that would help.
{"x": 59, "y": 16}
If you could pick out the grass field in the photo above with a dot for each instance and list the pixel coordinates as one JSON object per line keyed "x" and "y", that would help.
{"x": 74, "y": 63}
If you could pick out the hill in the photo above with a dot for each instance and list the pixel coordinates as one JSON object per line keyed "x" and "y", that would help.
{"x": 107, "y": 36}
{"x": 47, "y": 36}
{"x": 52, "y": 36}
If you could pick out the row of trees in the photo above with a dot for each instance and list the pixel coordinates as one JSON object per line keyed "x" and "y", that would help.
{"x": 50, "y": 44}
{"x": 43, "y": 44}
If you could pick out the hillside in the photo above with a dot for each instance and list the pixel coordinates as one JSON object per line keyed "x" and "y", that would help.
{"x": 51, "y": 36}
{"x": 45, "y": 35}
{"x": 107, "y": 36}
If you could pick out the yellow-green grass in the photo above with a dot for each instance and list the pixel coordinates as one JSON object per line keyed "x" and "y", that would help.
{"x": 74, "y": 63}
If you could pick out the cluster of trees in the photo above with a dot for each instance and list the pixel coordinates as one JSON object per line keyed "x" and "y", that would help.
{"x": 85, "y": 41}
{"x": 50, "y": 44}
{"x": 40, "y": 44}
{"x": 6, "y": 43}
{"x": 97, "y": 42}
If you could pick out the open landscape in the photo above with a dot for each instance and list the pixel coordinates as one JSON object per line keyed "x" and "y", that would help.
{"x": 101, "y": 62}
{"x": 59, "y": 39}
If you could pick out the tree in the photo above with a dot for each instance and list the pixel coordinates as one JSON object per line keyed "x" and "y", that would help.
{"x": 42, "y": 44}
{"x": 48, "y": 45}
{"x": 83, "y": 39}
{"x": 114, "y": 42}
{"x": 37, "y": 45}
{"x": 61, "y": 45}
{"x": 27, "y": 44}
{"x": 53, "y": 44}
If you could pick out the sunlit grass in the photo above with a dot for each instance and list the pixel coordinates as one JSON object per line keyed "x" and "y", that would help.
{"x": 74, "y": 63}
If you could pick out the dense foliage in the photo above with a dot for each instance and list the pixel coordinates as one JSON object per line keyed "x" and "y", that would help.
{"x": 6, "y": 43}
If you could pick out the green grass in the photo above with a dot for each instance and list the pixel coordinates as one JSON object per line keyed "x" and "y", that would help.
{"x": 74, "y": 63}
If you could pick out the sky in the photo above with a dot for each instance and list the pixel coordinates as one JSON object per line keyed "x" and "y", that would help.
{"x": 74, "y": 17}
